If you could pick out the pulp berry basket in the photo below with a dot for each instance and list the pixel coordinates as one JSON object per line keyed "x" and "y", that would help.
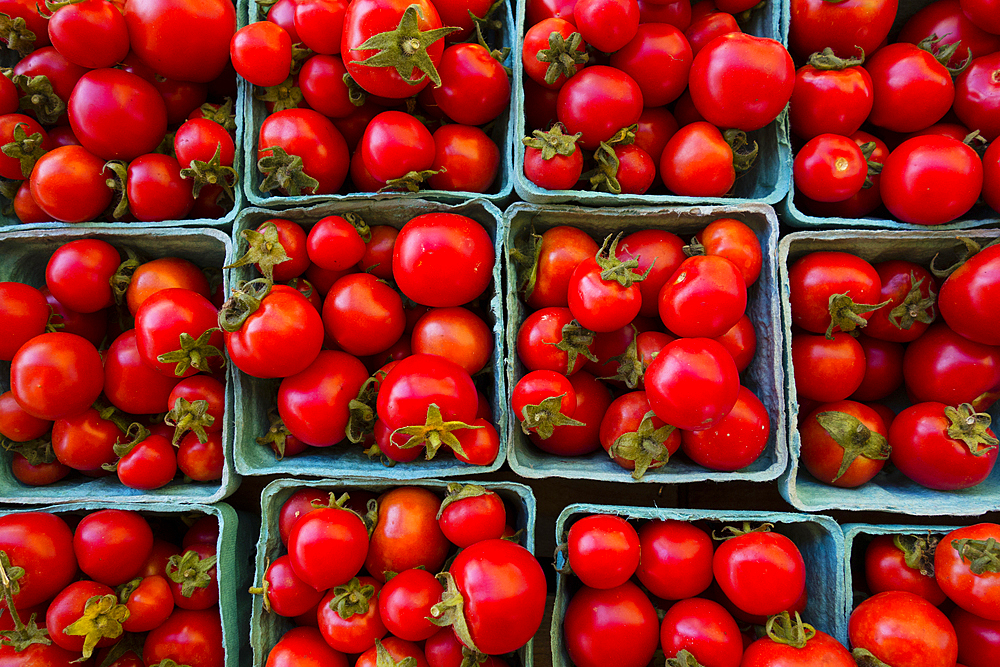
{"x": 766, "y": 183}
{"x": 23, "y": 258}
{"x": 267, "y": 628}
{"x": 764, "y": 376}
{"x": 254, "y": 396}
{"x": 889, "y": 490}
{"x": 255, "y": 112}
{"x": 819, "y": 538}
{"x": 233, "y": 565}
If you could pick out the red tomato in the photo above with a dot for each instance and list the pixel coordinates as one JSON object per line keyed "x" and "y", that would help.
{"x": 56, "y": 375}
{"x": 405, "y": 603}
{"x": 734, "y": 240}
{"x": 394, "y": 144}
{"x": 910, "y": 309}
{"x": 313, "y": 137}
{"x": 741, "y": 342}
{"x": 42, "y": 544}
{"x": 760, "y": 572}
{"x": 608, "y": 25}
{"x": 831, "y": 96}
{"x": 469, "y": 158}
{"x": 912, "y": 89}
{"x": 261, "y": 53}
{"x": 705, "y": 297}
{"x": 736, "y": 441}
{"x": 163, "y": 273}
{"x": 68, "y": 184}
{"x": 883, "y": 369}
{"x": 844, "y": 26}
{"x": 191, "y": 638}
{"x": 969, "y": 293}
{"x": 947, "y": 20}
{"x": 675, "y": 559}
{"x": 830, "y": 168}
{"x": 978, "y": 638}
{"x": 314, "y": 403}
{"x": 149, "y": 604}
{"x": 25, "y": 312}
{"x": 658, "y": 58}
{"x": 603, "y": 550}
{"x": 68, "y": 606}
{"x": 560, "y": 250}
{"x": 816, "y": 277}
{"x": 904, "y": 630}
{"x": 474, "y": 87}
{"x": 612, "y": 91}
{"x": 615, "y": 625}
{"x": 407, "y": 534}
{"x": 887, "y": 566}
{"x": 945, "y": 367}
{"x": 315, "y": 534}
{"x": 692, "y": 383}
{"x": 977, "y": 592}
{"x": 698, "y": 162}
{"x": 112, "y": 546}
{"x": 363, "y": 315}
{"x": 704, "y": 629}
{"x": 656, "y": 248}
{"x": 827, "y": 369}
{"x": 976, "y": 93}
{"x": 603, "y": 304}
{"x": 819, "y": 649}
{"x": 304, "y": 647}
{"x": 552, "y": 73}
{"x": 846, "y": 446}
{"x": 635, "y": 439}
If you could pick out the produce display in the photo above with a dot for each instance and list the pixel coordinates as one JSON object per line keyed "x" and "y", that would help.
{"x": 119, "y": 111}
{"x": 111, "y": 587}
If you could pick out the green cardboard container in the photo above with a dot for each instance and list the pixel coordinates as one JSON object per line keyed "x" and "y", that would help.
{"x": 819, "y": 538}
{"x": 254, "y": 112}
{"x": 234, "y": 565}
{"x": 254, "y": 396}
{"x": 889, "y": 490}
{"x": 23, "y": 257}
{"x": 764, "y": 375}
{"x": 267, "y": 628}
{"x": 766, "y": 183}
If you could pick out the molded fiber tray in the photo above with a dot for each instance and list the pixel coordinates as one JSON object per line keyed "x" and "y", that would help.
{"x": 764, "y": 375}
{"x": 254, "y": 396}
{"x": 267, "y": 628}
{"x": 23, "y": 257}
{"x": 819, "y": 538}
{"x": 890, "y": 490}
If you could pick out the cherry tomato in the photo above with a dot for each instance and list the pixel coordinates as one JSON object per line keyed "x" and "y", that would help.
{"x": 829, "y": 443}
{"x": 751, "y": 563}
{"x": 616, "y": 625}
{"x": 931, "y": 180}
{"x": 903, "y": 629}
{"x": 692, "y": 383}
{"x": 603, "y": 550}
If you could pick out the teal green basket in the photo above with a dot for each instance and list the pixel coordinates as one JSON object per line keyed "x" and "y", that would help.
{"x": 764, "y": 376}
{"x": 255, "y": 112}
{"x": 819, "y": 538}
{"x": 889, "y": 490}
{"x": 23, "y": 257}
{"x": 766, "y": 183}
{"x": 233, "y": 566}
{"x": 254, "y": 396}
{"x": 267, "y": 628}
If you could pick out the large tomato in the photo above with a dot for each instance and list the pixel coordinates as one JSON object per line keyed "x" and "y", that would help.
{"x": 692, "y": 383}
{"x": 314, "y": 138}
{"x": 760, "y": 572}
{"x": 318, "y": 533}
{"x": 56, "y": 375}
{"x": 106, "y": 100}
{"x": 971, "y": 292}
{"x": 817, "y": 85}
{"x": 844, "y": 26}
{"x": 736, "y": 441}
{"x": 614, "y": 92}
{"x": 814, "y": 278}
{"x": 42, "y": 544}
{"x": 186, "y": 40}
{"x": 903, "y": 630}
{"x": 407, "y": 534}
{"x": 611, "y": 626}
{"x": 191, "y": 638}
{"x": 931, "y": 180}
{"x": 705, "y": 297}
{"x": 946, "y": 367}
{"x": 314, "y": 403}
{"x": 964, "y": 570}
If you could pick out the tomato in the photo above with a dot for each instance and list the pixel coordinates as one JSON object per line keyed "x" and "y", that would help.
{"x": 734, "y": 240}
{"x": 607, "y": 25}
{"x": 559, "y": 251}
{"x": 976, "y": 92}
{"x": 176, "y": 333}
{"x": 910, "y": 309}
{"x": 480, "y": 446}
{"x": 26, "y": 313}
{"x": 63, "y": 77}
{"x": 604, "y": 304}
{"x": 315, "y": 534}
{"x": 163, "y": 273}
{"x": 56, "y": 375}
{"x": 261, "y": 53}
{"x": 655, "y": 127}
{"x": 297, "y": 505}
{"x": 292, "y": 239}
{"x": 79, "y": 274}
{"x": 191, "y": 638}
{"x": 692, "y": 383}
{"x": 366, "y": 20}
{"x": 831, "y": 96}
{"x": 883, "y": 369}
{"x": 156, "y": 190}
{"x": 816, "y": 277}
{"x": 946, "y": 19}
{"x": 658, "y": 58}
{"x": 552, "y": 160}
{"x": 363, "y": 314}
{"x": 634, "y": 437}
{"x": 42, "y": 544}
{"x": 603, "y": 550}
{"x": 314, "y": 138}
{"x": 751, "y": 563}
{"x": 304, "y": 647}
{"x": 442, "y": 259}
{"x": 592, "y": 402}
{"x": 945, "y": 367}
{"x": 150, "y": 603}
{"x": 904, "y": 630}
{"x": 978, "y": 638}
{"x": 377, "y": 258}
{"x": 736, "y": 441}
{"x": 192, "y": 416}
{"x": 91, "y": 34}
{"x": 654, "y": 248}
{"x": 394, "y": 144}
{"x": 16, "y": 424}
{"x": 704, "y": 29}
{"x": 68, "y": 606}
{"x": 150, "y": 464}
{"x": 465, "y": 157}
{"x": 675, "y": 559}
{"x": 555, "y": 70}
{"x": 613, "y": 91}
{"x": 335, "y": 243}
{"x": 827, "y": 369}
{"x": 817, "y": 649}
{"x": 704, "y": 629}
{"x": 970, "y": 292}
{"x": 85, "y": 440}
{"x": 844, "y": 26}
{"x": 698, "y": 162}
{"x": 982, "y": 13}
{"x": 474, "y": 86}
{"x": 187, "y": 40}
{"x": 280, "y": 338}
{"x": 705, "y": 297}
{"x": 318, "y": 25}
{"x": 844, "y": 443}
{"x": 405, "y": 603}
{"x": 615, "y": 625}
{"x": 28, "y": 148}
{"x": 349, "y": 618}
{"x": 931, "y": 180}
{"x": 407, "y": 534}
{"x": 67, "y": 184}
{"x": 912, "y": 89}
{"x": 112, "y": 546}
{"x": 973, "y": 586}
{"x": 888, "y": 566}
{"x": 502, "y": 588}
{"x": 991, "y": 176}
{"x": 314, "y": 403}
{"x": 830, "y": 168}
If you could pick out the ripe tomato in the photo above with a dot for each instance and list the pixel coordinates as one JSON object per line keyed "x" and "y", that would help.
{"x": 973, "y": 586}
{"x": 698, "y": 162}
{"x": 471, "y": 514}
{"x": 604, "y": 304}
{"x": 976, "y": 95}
{"x": 149, "y": 604}
{"x": 931, "y": 180}
{"x": 261, "y": 53}
{"x": 904, "y": 630}
{"x": 830, "y": 168}
{"x": 405, "y": 603}
{"x": 910, "y": 309}
{"x": 947, "y": 20}
{"x": 734, "y": 240}
{"x": 692, "y": 383}
{"x": 945, "y": 367}
{"x": 675, "y": 559}
{"x": 705, "y": 297}
{"x": 827, "y": 369}
{"x": 163, "y": 273}
{"x": 970, "y": 292}
{"x": 814, "y": 278}
{"x": 304, "y": 647}
{"x": 363, "y": 315}
{"x": 656, "y": 248}
{"x": 888, "y": 566}
{"x": 703, "y": 628}
{"x": 467, "y": 159}
{"x": 26, "y": 313}
{"x": 557, "y": 67}
{"x": 314, "y": 403}
{"x": 156, "y": 190}
{"x": 68, "y": 184}
{"x": 17, "y": 425}
{"x": 150, "y": 464}
{"x": 658, "y": 58}
{"x": 85, "y": 441}
{"x": 176, "y": 333}
{"x": 978, "y": 638}
{"x": 817, "y": 649}
{"x": 191, "y": 638}
{"x": 394, "y": 144}
{"x": 611, "y": 90}
{"x": 883, "y": 369}
{"x": 68, "y": 606}
{"x": 844, "y": 26}
{"x": 559, "y": 251}
{"x": 407, "y": 534}
{"x": 314, "y": 138}
{"x": 831, "y": 96}
{"x": 635, "y": 439}
{"x": 760, "y": 572}
{"x": 982, "y": 13}
{"x": 42, "y": 544}
{"x": 844, "y": 443}
{"x": 603, "y": 550}
{"x": 736, "y": 441}
{"x": 474, "y": 86}
{"x": 615, "y": 625}
{"x": 912, "y": 89}
{"x": 56, "y": 375}
{"x": 608, "y": 25}
{"x": 319, "y": 531}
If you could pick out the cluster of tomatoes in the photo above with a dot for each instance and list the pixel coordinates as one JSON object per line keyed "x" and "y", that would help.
{"x": 116, "y": 367}
{"x": 948, "y": 365}
{"x": 381, "y": 597}
{"x": 938, "y": 598}
{"x": 101, "y": 589}
{"x": 118, "y": 111}
{"x": 754, "y": 577}
{"x": 354, "y": 362}
{"x": 666, "y": 331}
{"x": 357, "y": 88}
{"x": 920, "y": 99}
{"x": 600, "y": 75}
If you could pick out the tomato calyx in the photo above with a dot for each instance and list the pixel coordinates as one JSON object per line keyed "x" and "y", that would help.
{"x": 943, "y": 54}
{"x": 684, "y": 658}
{"x": 613, "y": 269}
{"x": 125, "y": 591}
{"x": 26, "y": 148}
{"x": 781, "y": 629}
{"x": 370, "y": 519}
{"x": 361, "y": 412}
{"x": 212, "y": 172}
{"x": 866, "y": 658}
{"x": 286, "y": 95}
{"x": 36, "y": 452}
{"x": 191, "y": 571}
{"x": 743, "y": 156}
{"x": 604, "y": 176}
{"x": 265, "y": 250}
{"x": 123, "y": 275}
{"x": 300, "y": 54}
{"x": 134, "y": 434}
{"x": 193, "y": 353}
{"x": 384, "y": 659}
{"x": 284, "y": 171}
{"x": 102, "y": 617}
{"x": 563, "y": 55}
{"x": 24, "y": 634}
{"x": 646, "y": 446}
{"x": 118, "y": 183}
{"x": 874, "y": 168}
{"x": 38, "y": 95}
{"x": 405, "y": 48}
{"x": 17, "y": 35}
{"x": 576, "y": 341}
{"x": 918, "y": 552}
{"x": 732, "y": 532}
{"x": 854, "y": 437}
{"x": 434, "y": 433}
{"x": 630, "y": 368}
{"x": 352, "y": 598}
{"x": 264, "y": 590}
{"x": 914, "y": 307}
{"x": 220, "y": 113}
{"x": 167, "y": 662}
{"x": 457, "y": 492}
{"x": 243, "y": 302}
{"x": 846, "y": 314}
{"x": 545, "y": 416}
{"x": 130, "y": 643}
{"x": 983, "y": 555}
{"x": 276, "y": 436}
{"x": 970, "y": 427}
{"x": 450, "y": 611}
{"x": 552, "y": 143}
{"x": 827, "y": 61}
{"x": 189, "y": 416}
{"x": 411, "y": 180}
{"x": 526, "y": 253}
